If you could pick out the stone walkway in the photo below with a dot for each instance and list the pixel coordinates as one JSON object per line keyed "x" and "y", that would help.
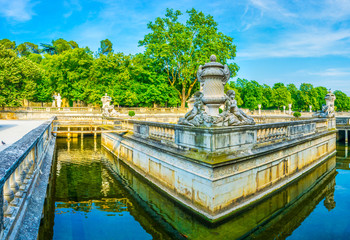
{"x": 13, "y": 130}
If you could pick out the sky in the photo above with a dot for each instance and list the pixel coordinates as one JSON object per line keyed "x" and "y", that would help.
{"x": 292, "y": 41}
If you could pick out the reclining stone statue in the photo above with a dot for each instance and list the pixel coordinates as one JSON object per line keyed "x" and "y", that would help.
{"x": 232, "y": 115}
{"x": 197, "y": 116}
{"x": 328, "y": 110}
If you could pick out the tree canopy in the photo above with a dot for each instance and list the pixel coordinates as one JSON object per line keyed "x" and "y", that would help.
{"x": 164, "y": 74}
{"x": 179, "y": 48}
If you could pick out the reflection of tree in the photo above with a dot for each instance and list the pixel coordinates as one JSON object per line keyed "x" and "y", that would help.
{"x": 106, "y": 204}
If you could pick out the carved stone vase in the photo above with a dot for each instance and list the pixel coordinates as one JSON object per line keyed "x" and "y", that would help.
{"x": 213, "y": 76}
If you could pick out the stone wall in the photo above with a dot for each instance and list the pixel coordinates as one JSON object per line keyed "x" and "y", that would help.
{"x": 219, "y": 171}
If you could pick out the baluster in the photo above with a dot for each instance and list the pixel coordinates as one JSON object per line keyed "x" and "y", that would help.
{"x": 8, "y": 197}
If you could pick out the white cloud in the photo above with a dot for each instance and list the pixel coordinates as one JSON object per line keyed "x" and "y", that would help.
{"x": 332, "y": 72}
{"x": 18, "y": 10}
{"x": 71, "y": 6}
{"x": 308, "y": 42}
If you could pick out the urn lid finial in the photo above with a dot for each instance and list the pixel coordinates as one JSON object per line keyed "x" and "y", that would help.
{"x": 213, "y": 58}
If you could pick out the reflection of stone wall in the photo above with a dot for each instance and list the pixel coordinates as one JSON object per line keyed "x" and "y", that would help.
{"x": 215, "y": 190}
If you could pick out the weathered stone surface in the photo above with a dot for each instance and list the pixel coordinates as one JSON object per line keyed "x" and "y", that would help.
{"x": 226, "y": 168}
{"x": 29, "y": 227}
{"x": 13, "y": 155}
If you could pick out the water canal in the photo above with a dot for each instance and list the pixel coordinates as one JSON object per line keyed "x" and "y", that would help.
{"x": 93, "y": 195}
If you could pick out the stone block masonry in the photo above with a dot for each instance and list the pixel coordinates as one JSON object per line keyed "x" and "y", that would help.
{"x": 219, "y": 171}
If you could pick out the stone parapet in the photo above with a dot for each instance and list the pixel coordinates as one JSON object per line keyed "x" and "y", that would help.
{"x": 20, "y": 168}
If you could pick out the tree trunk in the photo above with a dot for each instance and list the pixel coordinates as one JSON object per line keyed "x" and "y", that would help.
{"x": 183, "y": 98}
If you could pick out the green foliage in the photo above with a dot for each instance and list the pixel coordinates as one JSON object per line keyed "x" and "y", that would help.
{"x": 342, "y": 102}
{"x": 8, "y": 44}
{"x": 280, "y": 96}
{"x": 297, "y": 114}
{"x": 106, "y": 47}
{"x": 179, "y": 48}
{"x": 253, "y": 94}
{"x": 19, "y": 78}
{"x": 68, "y": 73}
{"x": 131, "y": 113}
{"x": 220, "y": 110}
{"x": 27, "y": 48}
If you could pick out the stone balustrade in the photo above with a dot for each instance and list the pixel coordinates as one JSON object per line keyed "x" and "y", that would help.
{"x": 19, "y": 171}
{"x": 227, "y": 138}
{"x": 52, "y": 109}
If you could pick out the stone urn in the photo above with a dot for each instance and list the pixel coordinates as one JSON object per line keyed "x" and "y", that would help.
{"x": 213, "y": 77}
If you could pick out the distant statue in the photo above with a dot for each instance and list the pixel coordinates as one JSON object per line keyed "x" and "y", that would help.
{"x": 232, "y": 115}
{"x": 328, "y": 110}
{"x": 58, "y": 100}
{"x": 54, "y": 101}
{"x": 106, "y": 101}
{"x": 108, "y": 108}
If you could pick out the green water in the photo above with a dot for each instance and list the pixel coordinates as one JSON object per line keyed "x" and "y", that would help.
{"x": 93, "y": 195}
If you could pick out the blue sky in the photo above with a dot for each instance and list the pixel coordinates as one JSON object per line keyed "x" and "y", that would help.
{"x": 277, "y": 41}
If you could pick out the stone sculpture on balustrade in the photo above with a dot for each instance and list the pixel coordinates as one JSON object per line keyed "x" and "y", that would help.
{"x": 108, "y": 108}
{"x": 328, "y": 110}
{"x": 205, "y": 113}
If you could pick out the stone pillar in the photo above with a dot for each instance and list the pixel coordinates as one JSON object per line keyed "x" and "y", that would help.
{"x": 346, "y": 151}
{"x": 346, "y": 136}
{"x": 68, "y": 134}
{"x": 259, "y": 106}
{"x": 284, "y": 109}
{"x": 310, "y": 108}
{"x": 290, "y": 108}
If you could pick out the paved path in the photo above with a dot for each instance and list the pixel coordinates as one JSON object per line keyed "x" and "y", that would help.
{"x": 13, "y": 130}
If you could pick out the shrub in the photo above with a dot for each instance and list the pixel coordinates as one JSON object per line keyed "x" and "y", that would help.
{"x": 220, "y": 110}
{"x": 296, "y": 114}
{"x": 131, "y": 113}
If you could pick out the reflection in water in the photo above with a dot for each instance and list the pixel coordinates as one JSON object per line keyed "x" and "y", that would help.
{"x": 93, "y": 195}
{"x": 86, "y": 202}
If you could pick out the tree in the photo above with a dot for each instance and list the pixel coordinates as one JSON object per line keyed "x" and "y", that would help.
{"x": 68, "y": 72}
{"x": 280, "y": 96}
{"x": 27, "y": 48}
{"x": 106, "y": 47}
{"x": 294, "y": 92}
{"x": 19, "y": 78}
{"x": 8, "y": 44}
{"x": 180, "y": 48}
{"x": 342, "y": 101}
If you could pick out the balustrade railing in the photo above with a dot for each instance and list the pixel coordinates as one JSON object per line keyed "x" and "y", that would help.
{"x": 20, "y": 167}
{"x": 206, "y": 138}
{"x": 271, "y": 134}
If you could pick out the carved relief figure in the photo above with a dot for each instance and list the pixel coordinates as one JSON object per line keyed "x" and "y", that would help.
{"x": 197, "y": 116}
